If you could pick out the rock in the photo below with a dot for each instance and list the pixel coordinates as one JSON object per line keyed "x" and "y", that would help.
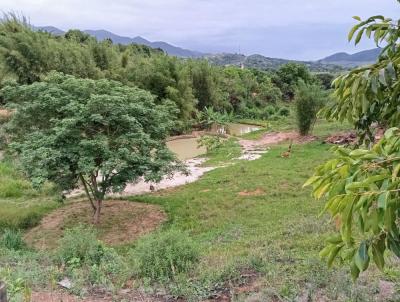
{"x": 66, "y": 283}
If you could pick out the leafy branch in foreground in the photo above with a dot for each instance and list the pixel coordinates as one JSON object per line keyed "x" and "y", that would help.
{"x": 370, "y": 94}
{"x": 362, "y": 186}
{"x": 363, "y": 192}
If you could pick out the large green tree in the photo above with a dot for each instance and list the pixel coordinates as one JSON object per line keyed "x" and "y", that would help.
{"x": 95, "y": 132}
{"x": 362, "y": 186}
{"x": 288, "y": 77}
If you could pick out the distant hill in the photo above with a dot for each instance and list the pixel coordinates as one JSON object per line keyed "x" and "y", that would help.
{"x": 261, "y": 62}
{"x": 50, "y": 29}
{"x": 352, "y": 60}
{"x": 104, "y": 34}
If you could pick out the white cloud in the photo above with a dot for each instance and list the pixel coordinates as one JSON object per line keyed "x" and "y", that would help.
{"x": 198, "y": 22}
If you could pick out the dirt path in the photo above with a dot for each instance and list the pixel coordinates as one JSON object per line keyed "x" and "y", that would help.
{"x": 253, "y": 149}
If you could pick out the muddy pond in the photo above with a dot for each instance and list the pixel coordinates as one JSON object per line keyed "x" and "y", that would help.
{"x": 187, "y": 147}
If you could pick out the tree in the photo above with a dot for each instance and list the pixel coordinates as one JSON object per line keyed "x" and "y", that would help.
{"x": 78, "y": 36}
{"x": 309, "y": 100}
{"x": 325, "y": 79}
{"x": 289, "y": 75}
{"x": 362, "y": 186}
{"x": 97, "y": 132}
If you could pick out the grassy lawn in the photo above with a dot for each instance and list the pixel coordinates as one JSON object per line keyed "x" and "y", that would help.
{"x": 20, "y": 205}
{"x": 256, "y": 214}
{"x": 277, "y": 230}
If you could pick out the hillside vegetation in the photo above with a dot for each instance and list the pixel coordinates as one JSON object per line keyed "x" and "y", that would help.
{"x": 85, "y": 121}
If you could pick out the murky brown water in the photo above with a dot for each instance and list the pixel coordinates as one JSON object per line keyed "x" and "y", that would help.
{"x": 186, "y": 148}
{"x": 240, "y": 129}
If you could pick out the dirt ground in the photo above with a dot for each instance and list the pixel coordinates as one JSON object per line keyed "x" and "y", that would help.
{"x": 121, "y": 222}
{"x": 275, "y": 138}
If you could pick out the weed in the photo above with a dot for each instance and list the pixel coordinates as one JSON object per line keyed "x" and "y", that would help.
{"x": 12, "y": 240}
{"x": 80, "y": 246}
{"x": 163, "y": 255}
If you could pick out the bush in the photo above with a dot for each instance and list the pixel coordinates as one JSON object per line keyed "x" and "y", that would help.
{"x": 164, "y": 255}
{"x": 80, "y": 246}
{"x": 284, "y": 111}
{"x": 12, "y": 240}
{"x": 270, "y": 109}
{"x": 309, "y": 99}
{"x": 211, "y": 142}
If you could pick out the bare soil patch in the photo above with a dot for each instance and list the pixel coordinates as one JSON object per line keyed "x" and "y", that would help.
{"x": 61, "y": 296}
{"x": 343, "y": 138}
{"x": 256, "y": 192}
{"x": 121, "y": 222}
{"x": 245, "y": 285}
{"x": 275, "y": 138}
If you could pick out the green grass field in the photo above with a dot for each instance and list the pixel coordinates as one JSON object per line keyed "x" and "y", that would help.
{"x": 21, "y": 206}
{"x": 252, "y": 216}
{"x": 256, "y": 214}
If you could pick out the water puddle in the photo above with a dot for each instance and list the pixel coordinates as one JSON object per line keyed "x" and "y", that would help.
{"x": 187, "y": 147}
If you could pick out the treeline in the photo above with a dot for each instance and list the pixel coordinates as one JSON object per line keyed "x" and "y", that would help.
{"x": 27, "y": 55}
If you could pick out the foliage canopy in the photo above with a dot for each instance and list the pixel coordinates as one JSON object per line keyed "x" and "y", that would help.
{"x": 98, "y": 132}
{"x": 362, "y": 185}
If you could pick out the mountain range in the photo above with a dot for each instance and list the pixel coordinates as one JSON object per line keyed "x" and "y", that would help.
{"x": 335, "y": 62}
{"x": 104, "y": 34}
{"x": 352, "y": 60}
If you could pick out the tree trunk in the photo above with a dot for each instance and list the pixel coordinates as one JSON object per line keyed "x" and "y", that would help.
{"x": 3, "y": 292}
{"x": 96, "y": 216}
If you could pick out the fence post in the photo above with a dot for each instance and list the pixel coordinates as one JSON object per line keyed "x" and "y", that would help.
{"x": 3, "y": 292}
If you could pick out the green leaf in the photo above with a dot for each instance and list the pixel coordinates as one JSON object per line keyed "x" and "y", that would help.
{"x": 383, "y": 199}
{"x": 311, "y": 180}
{"x": 333, "y": 254}
{"x": 361, "y": 258}
{"x": 359, "y": 152}
{"x": 382, "y": 77}
{"x": 395, "y": 172}
{"x": 352, "y": 32}
{"x": 394, "y": 245}
{"x": 357, "y": 18}
{"x": 355, "y": 272}
{"x": 378, "y": 257}
{"x": 334, "y": 239}
{"x": 359, "y": 36}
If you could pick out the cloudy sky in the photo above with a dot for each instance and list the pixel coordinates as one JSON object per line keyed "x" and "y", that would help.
{"x": 295, "y": 29}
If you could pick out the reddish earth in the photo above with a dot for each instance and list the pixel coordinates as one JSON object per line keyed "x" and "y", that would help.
{"x": 274, "y": 138}
{"x": 256, "y": 192}
{"x": 60, "y": 296}
{"x": 121, "y": 222}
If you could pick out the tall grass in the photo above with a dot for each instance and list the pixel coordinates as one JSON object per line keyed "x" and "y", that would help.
{"x": 21, "y": 206}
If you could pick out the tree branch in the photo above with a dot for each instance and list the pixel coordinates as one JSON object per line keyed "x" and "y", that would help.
{"x": 87, "y": 191}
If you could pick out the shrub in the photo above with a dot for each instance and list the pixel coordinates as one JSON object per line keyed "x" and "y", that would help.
{"x": 309, "y": 99}
{"x": 211, "y": 142}
{"x": 270, "y": 109}
{"x": 164, "y": 255}
{"x": 284, "y": 111}
{"x": 80, "y": 246}
{"x": 12, "y": 240}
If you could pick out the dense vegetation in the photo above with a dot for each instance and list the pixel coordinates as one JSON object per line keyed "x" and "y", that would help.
{"x": 192, "y": 85}
{"x": 265, "y": 63}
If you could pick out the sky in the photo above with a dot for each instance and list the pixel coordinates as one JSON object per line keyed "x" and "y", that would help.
{"x": 292, "y": 29}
